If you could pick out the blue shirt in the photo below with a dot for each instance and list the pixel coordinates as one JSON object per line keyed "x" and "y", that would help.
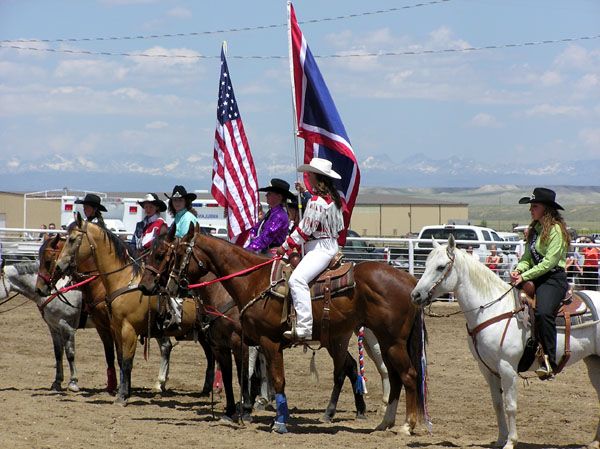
{"x": 183, "y": 219}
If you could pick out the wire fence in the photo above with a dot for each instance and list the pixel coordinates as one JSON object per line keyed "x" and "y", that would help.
{"x": 403, "y": 253}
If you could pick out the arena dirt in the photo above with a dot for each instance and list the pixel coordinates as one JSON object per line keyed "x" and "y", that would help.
{"x": 561, "y": 413}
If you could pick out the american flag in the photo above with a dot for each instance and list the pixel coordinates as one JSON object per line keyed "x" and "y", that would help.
{"x": 318, "y": 121}
{"x": 235, "y": 185}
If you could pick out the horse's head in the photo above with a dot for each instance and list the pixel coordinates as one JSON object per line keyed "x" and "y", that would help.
{"x": 73, "y": 250}
{"x": 439, "y": 276}
{"x": 48, "y": 255}
{"x": 187, "y": 262}
{"x": 159, "y": 263}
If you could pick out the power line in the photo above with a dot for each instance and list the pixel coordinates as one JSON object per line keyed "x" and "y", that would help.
{"x": 331, "y": 56}
{"x": 229, "y": 30}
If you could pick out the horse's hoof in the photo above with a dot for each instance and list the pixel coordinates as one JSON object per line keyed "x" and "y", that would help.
{"x": 73, "y": 387}
{"x": 279, "y": 427}
{"x": 56, "y": 387}
{"x": 594, "y": 445}
{"x": 158, "y": 388}
{"x": 405, "y": 429}
{"x": 226, "y": 420}
{"x": 121, "y": 401}
{"x": 205, "y": 393}
{"x": 509, "y": 445}
{"x": 326, "y": 419}
{"x": 360, "y": 416}
{"x": 383, "y": 426}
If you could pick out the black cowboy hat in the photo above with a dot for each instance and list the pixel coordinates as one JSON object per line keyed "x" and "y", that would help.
{"x": 92, "y": 200}
{"x": 180, "y": 192}
{"x": 293, "y": 203}
{"x": 153, "y": 198}
{"x": 279, "y": 186}
{"x": 543, "y": 196}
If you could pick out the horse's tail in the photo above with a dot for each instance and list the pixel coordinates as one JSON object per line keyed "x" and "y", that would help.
{"x": 416, "y": 350}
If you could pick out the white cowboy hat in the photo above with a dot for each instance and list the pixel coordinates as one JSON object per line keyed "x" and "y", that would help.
{"x": 320, "y": 166}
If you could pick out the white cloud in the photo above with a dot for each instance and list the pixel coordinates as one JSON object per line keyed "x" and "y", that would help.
{"x": 591, "y": 138}
{"x": 577, "y": 58}
{"x": 483, "y": 120}
{"x": 590, "y": 81}
{"x": 172, "y": 166}
{"x": 127, "y": 2}
{"x": 13, "y": 163}
{"x": 550, "y": 78}
{"x": 156, "y": 125}
{"x": 180, "y": 12}
{"x": 190, "y": 57}
{"x": 90, "y": 70}
{"x": 545, "y": 110}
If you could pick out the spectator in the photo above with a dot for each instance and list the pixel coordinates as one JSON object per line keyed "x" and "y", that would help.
{"x": 51, "y": 235}
{"x": 471, "y": 253}
{"x": 590, "y": 267}
{"x": 573, "y": 267}
{"x": 493, "y": 260}
{"x": 42, "y": 235}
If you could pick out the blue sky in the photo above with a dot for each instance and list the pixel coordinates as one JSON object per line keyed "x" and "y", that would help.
{"x": 141, "y": 122}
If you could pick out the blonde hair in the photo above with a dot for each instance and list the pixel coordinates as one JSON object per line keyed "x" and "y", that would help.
{"x": 550, "y": 218}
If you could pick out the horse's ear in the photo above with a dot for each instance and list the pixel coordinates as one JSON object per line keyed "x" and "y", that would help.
{"x": 435, "y": 243}
{"x": 451, "y": 243}
{"x": 78, "y": 220}
{"x": 54, "y": 241}
{"x": 197, "y": 229}
{"x": 191, "y": 230}
{"x": 171, "y": 234}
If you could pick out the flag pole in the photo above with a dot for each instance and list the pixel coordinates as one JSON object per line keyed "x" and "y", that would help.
{"x": 294, "y": 106}
{"x": 226, "y": 209}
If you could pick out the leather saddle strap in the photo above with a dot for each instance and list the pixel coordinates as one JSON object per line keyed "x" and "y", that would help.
{"x": 326, "y": 306}
{"x": 118, "y": 292}
{"x": 567, "y": 354}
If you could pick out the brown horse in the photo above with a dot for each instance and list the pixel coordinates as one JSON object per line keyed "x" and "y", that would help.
{"x": 219, "y": 317}
{"x": 380, "y": 301}
{"x": 131, "y": 313}
{"x": 94, "y": 296}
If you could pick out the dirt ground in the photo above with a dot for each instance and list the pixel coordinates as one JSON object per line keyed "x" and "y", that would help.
{"x": 561, "y": 413}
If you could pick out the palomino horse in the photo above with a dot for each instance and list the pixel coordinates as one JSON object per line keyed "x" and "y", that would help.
{"x": 498, "y": 347}
{"x": 61, "y": 316}
{"x": 131, "y": 313}
{"x": 218, "y": 314}
{"x": 380, "y": 300}
{"x": 94, "y": 303}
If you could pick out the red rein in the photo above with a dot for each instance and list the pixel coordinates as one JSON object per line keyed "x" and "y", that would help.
{"x": 232, "y": 275}
{"x": 66, "y": 289}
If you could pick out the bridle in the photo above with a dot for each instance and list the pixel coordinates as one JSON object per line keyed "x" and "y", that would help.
{"x": 178, "y": 275}
{"x": 444, "y": 275}
{"x": 165, "y": 263}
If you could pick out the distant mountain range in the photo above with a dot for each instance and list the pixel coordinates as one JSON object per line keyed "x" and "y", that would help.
{"x": 142, "y": 173}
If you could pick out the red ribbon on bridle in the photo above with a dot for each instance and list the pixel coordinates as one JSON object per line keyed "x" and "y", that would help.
{"x": 232, "y": 275}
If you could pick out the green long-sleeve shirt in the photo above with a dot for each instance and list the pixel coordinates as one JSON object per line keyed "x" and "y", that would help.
{"x": 553, "y": 251}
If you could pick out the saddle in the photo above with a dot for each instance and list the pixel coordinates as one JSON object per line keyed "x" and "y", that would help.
{"x": 576, "y": 309}
{"x": 336, "y": 278}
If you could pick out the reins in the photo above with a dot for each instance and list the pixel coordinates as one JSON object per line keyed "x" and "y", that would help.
{"x": 233, "y": 275}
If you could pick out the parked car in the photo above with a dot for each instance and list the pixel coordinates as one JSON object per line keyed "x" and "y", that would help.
{"x": 360, "y": 250}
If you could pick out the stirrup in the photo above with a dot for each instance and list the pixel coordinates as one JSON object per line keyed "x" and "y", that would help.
{"x": 292, "y": 336}
{"x": 545, "y": 371}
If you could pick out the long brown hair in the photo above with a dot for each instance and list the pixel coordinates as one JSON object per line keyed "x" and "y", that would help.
{"x": 550, "y": 217}
{"x": 188, "y": 206}
{"x": 325, "y": 187}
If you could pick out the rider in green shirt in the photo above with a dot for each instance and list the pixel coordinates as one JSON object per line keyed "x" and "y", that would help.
{"x": 543, "y": 263}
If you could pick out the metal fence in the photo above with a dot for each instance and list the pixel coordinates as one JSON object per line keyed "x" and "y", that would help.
{"x": 402, "y": 253}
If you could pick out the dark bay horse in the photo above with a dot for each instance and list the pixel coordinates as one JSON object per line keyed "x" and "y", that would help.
{"x": 94, "y": 304}
{"x": 219, "y": 317}
{"x": 380, "y": 301}
{"x": 131, "y": 313}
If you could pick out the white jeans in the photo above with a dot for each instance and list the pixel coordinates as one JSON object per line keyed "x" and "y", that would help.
{"x": 318, "y": 255}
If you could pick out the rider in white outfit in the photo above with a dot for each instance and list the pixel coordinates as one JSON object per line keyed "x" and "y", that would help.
{"x": 318, "y": 231}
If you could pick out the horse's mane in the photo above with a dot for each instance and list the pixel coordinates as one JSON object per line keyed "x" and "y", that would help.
{"x": 122, "y": 250}
{"x": 481, "y": 276}
{"x": 26, "y": 268}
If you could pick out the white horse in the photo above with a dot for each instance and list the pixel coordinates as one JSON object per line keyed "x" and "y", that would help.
{"x": 62, "y": 315}
{"x": 449, "y": 269}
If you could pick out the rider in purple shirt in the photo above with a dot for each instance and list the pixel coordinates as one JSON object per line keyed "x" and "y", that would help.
{"x": 272, "y": 230}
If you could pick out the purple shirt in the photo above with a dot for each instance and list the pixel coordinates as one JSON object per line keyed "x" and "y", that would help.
{"x": 271, "y": 231}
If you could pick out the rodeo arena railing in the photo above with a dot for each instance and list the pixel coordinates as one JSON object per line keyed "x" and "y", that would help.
{"x": 403, "y": 253}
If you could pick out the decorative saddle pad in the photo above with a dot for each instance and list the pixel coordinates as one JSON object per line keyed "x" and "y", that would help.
{"x": 342, "y": 278}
